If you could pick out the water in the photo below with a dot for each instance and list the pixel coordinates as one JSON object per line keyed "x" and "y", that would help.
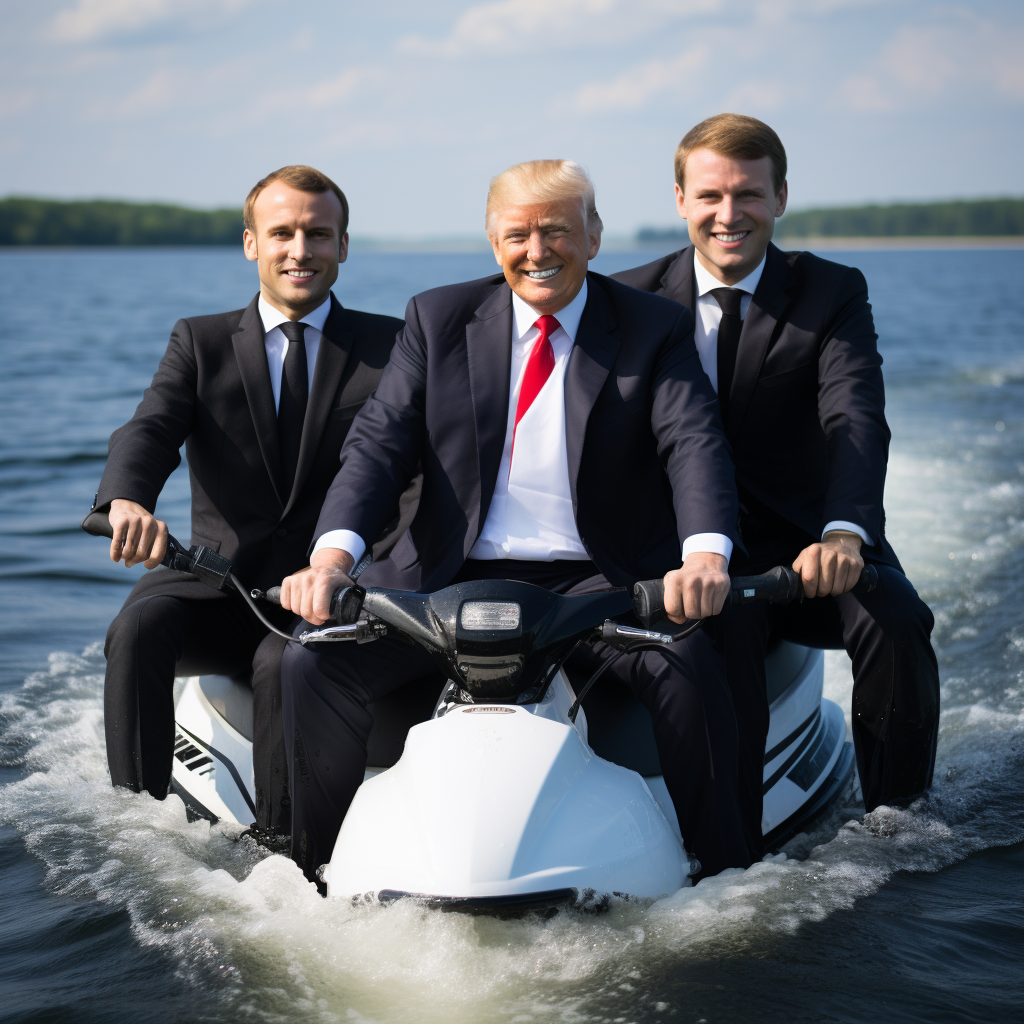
{"x": 116, "y": 908}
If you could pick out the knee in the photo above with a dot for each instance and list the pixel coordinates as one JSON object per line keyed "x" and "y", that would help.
{"x": 141, "y": 623}
{"x": 905, "y": 614}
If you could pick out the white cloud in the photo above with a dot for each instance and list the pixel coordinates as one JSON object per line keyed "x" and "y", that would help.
{"x": 935, "y": 63}
{"x": 633, "y": 88}
{"x": 93, "y": 19}
{"x": 510, "y": 24}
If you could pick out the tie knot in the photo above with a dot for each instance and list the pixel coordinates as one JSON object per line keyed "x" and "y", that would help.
{"x": 293, "y": 330}
{"x": 547, "y": 325}
{"x": 729, "y": 299}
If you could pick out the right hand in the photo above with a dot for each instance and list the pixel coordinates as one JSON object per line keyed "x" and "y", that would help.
{"x": 308, "y": 592}
{"x": 138, "y": 535}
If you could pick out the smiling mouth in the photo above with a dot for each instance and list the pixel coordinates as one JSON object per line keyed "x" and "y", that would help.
{"x": 542, "y": 275}
{"x": 300, "y": 275}
{"x": 732, "y": 236}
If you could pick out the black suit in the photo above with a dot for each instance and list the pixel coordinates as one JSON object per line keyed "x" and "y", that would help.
{"x": 805, "y": 418}
{"x": 212, "y": 392}
{"x": 648, "y": 467}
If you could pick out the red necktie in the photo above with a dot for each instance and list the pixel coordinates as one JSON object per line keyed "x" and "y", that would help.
{"x": 538, "y": 368}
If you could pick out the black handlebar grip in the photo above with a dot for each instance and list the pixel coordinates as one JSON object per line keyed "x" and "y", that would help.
{"x": 273, "y": 595}
{"x": 346, "y": 604}
{"x": 867, "y": 582}
{"x": 649, "y": 601}
{"x": 97, "y": 524}
{"x": 777, "y": 586}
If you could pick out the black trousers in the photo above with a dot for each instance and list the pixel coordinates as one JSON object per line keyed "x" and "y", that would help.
{"x": 326, "y": 692}
{"x": 895, "y": 685}
{"x": 156, "y": 636}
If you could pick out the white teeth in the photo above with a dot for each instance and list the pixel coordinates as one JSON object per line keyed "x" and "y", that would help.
{"x": 733, "y": 237}
{"x": 300, "y": 273}
{"x": 543, "y": 275}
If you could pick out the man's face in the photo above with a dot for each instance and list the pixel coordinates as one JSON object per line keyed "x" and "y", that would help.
{"x": 730, "y": 208}
{"x": 296, "y": 246}
{"x": 544, "y": 250}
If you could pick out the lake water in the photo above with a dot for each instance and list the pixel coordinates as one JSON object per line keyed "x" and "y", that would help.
{"x": 115, "y": 908}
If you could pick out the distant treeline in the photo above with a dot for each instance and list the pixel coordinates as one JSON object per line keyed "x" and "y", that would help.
{"x": 100, "y": 222}
{"x": 979, "y": 217}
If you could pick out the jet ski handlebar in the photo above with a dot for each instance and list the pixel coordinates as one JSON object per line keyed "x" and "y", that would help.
{"x": 777, "y": 586}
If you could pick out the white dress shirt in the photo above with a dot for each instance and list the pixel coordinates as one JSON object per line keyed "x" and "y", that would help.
{"x": 530, "y": 515}
{"x": 277, "y": 344}
{"x": 708, "y": 319}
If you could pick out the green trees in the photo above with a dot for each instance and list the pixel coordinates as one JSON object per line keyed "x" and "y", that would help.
{"x": 101, "y": 222}
{"x": 977, "y": 217}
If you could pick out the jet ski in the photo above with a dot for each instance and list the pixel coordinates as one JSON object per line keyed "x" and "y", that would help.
{"x": 513, "y": 787}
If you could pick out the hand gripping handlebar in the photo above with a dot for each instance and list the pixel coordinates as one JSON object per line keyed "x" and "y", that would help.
{"x": 777, "y": 586}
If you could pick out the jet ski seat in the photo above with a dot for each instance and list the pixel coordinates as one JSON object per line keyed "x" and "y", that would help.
{"x": 619, "y": 726}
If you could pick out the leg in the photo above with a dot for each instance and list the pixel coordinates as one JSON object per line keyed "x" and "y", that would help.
{"x": 145, "y": 643}
{"x": 895, "y": 689}
{"x": 745, "y": 630}
{"x": 686, "y": 692}
{"x": 895, "y": 680}
{"x": 326, "y": 725}
{"x": 269, "y": 758}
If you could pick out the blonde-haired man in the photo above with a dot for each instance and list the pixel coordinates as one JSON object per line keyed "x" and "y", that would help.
{"x": 569, "y": 439}
{"x": 789, "y": 343}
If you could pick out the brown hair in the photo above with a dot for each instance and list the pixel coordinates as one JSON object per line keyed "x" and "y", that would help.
{"x": 542, "y": 181}
{"x": 303, "y": 178}
{"x": 738, "y": 136}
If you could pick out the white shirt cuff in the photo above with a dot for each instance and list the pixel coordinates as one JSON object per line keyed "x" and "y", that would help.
{"x": 713, "y": 543}
{"x": 346, "y": 540}
{"x": 842, "y": 524}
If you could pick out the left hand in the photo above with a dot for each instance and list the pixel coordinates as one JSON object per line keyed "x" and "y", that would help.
{"x": 832, "y": 567}
{"x": 699, "y": 589}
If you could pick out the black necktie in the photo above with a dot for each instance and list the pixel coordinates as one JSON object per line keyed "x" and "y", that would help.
{"x": 291, "y": 409}
{"x": 728, "y": 340}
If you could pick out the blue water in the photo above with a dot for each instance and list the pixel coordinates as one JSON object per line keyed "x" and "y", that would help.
{"x": 116, "y": 908}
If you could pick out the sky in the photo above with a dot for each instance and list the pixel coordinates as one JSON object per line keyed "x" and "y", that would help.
{"x": 413, "y": 106}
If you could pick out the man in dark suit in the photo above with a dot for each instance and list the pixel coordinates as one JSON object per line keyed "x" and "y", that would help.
{"x": 789, "y": 344}
{"x": 568, "y": 438}
{"x": 262, "y": 398}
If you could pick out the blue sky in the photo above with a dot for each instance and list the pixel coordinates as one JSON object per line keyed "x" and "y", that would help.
{"x": 412, "y": 107}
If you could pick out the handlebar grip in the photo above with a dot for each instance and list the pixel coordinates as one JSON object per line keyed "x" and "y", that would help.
{"x": 649, "y": 601}
{"x": 346, "y": 604}
{"x": 273, "y": 595}
{"x": 777, "y": 586}
{"x": 867, "y": 582}
{"x": 97, "y": 524}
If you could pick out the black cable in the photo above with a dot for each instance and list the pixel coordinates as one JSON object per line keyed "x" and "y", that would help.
{"x": 574, "y": 709}
{"x": 259, "y": 615}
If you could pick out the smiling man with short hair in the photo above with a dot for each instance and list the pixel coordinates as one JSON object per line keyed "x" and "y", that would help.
{"x": 569, "y": 439}
{"x": 789, "y": 344}
{"x": 262, "y": 399}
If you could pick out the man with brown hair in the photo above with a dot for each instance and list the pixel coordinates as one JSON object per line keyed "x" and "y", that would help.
{"x": 789, "y": 344}
{"x": 262, "y": 399}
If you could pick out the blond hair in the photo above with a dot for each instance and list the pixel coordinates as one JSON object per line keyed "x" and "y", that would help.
{"x": 737, "y": 136}
{"x": 302, "y": 178}
{"x": 542, "y": 181}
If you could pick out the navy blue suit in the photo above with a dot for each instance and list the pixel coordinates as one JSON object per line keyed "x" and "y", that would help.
{"x": 648, "y": 466}
{"x": 806, "y": 422}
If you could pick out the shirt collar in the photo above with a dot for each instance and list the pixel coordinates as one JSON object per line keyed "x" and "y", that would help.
{"x": 706, "y": 281}
{"x": 272, "y": 317}
{"x": 525, "y": 316}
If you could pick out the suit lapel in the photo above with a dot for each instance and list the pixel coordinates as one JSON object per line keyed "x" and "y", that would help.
{"x": 336, "y": 342}
{"x": 767, "y": 305}
{"x": 251, "y": 356}
{"x": 489, "y": 356}
{"x": 590, "y": 361}
{"x": 677, "y": 281}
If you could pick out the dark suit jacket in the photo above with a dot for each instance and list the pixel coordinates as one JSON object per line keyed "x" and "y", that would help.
{"x": 212, "y": 391}
{"x": 648, "y": 464}
{"x": 806, "y": 413}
